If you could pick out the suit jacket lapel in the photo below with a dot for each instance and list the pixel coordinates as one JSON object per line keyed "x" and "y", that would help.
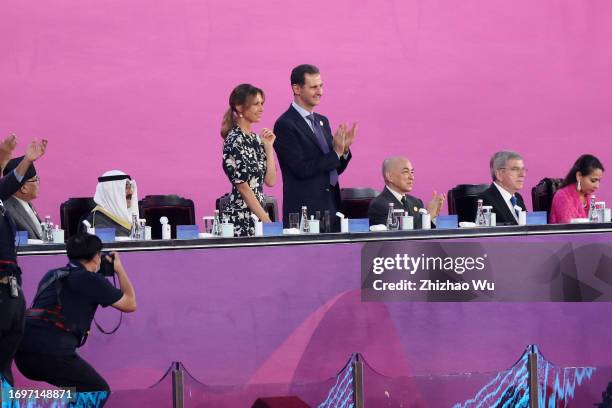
{"x": 392, "y": 199}
{"x": 500, "y": 203}
{"x": 31, "y": 222}
{"x": 305, "y": 129}
{"x": 21, "y": 216}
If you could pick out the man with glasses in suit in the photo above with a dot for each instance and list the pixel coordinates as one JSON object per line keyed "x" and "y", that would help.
{"x": 508, "y": 172}
{"x": 19, "y": 206}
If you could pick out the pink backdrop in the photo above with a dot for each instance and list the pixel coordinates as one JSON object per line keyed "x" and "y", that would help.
{"x": 142, "y": 85}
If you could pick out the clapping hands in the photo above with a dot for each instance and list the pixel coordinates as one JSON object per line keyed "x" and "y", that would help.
{"x": 343, "y": 138}
{"x": 435, "y": 204}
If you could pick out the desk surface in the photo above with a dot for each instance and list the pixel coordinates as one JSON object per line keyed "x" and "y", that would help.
{"x": 338, "y": 238}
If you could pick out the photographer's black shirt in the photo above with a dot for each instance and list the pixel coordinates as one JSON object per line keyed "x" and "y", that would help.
{"x": 82, "y": 292}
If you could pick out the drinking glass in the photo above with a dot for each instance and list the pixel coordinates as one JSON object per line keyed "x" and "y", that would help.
{"x": 294, "y": 220}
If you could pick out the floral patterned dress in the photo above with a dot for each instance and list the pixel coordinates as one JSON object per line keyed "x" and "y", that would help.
{"x": 244, "y": 161}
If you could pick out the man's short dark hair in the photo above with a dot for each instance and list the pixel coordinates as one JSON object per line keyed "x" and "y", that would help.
{"x": 83, "y": 247}
{"x": 298, "y": 74}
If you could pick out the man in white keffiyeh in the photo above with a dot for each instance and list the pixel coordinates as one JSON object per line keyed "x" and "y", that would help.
{"x": 116, "y": 202}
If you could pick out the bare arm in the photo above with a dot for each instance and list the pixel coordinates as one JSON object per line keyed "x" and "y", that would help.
{"x": 127, "y": 303}
{"x": 268, "y": 137}
{"x": 251, "y": 201}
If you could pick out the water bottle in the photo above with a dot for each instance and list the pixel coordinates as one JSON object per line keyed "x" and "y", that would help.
{"x": 481, "y": 220}
{"x": 50, "y": 232}
{"x": 47, "y": 230}
{"x": 592, "y": 212}
{"x": 304, "y": 224}
{"x": 134, "y": 230}
{"x": 216, "y": 227}
{"x": 142, "y": 226}
{"x": 390, "y": 223}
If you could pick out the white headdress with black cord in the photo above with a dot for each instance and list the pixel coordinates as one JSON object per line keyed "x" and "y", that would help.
{"x": 110, "y": 194}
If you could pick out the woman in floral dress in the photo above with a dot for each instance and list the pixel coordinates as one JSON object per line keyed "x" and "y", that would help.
{"x": 248, "y": 159}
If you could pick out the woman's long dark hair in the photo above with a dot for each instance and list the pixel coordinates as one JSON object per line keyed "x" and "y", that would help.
{"x": 243, "y": 95}
{"x": 585, "y": 165}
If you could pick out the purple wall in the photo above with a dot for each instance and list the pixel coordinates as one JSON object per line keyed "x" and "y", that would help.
{"x": 294, "y": 314}
{"x": 142, "y": 85}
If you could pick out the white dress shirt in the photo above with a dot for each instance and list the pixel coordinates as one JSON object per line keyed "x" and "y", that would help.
{"x": 397, "y": 195}
{"x": 507, "y": 196}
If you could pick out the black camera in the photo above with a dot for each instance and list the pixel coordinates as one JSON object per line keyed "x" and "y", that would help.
{"x": 107, "y": 268}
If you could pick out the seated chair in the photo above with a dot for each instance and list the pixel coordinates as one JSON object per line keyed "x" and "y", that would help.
{"x": 178, "y": 210}
{"x": 462, "y": 200}
{"x": 355, "y": 201}
{"x": 71, "y": 212}
{"x": 543, "y": 192}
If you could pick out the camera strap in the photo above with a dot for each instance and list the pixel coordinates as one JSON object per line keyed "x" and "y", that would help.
{"x": 58, "y": 276}
{"x": 102, "y": 330}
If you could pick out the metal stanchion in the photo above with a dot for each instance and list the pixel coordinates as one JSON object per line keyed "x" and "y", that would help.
{"x": 532, "y": 367}
{"x": 178, "y": 391}
{"x": 358, "y": 381}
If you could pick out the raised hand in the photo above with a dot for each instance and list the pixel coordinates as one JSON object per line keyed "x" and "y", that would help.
{"x": 267, "y": 137}
{"x": 350, "y": 136}
{"x": 339, "y": 141}
{"x": 36, "y": 149}
{"x": 6, "y": 149}
{"x": 435, "y": 204}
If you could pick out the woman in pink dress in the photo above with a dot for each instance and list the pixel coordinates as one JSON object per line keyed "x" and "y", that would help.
{"x": 572, "y": 200}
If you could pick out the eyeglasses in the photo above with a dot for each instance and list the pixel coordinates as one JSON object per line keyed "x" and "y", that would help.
{"x": 516, "y": 170}
{"x": 35, "y": 179}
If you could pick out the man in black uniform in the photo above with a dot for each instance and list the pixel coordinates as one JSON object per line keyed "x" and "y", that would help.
{"x": 12, "y": 302}
{"x": 62, "y": 312}
{"x": 398, "y": 174}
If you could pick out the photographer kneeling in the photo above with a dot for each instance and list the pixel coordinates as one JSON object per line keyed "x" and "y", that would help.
{"x": 62, "y": 312}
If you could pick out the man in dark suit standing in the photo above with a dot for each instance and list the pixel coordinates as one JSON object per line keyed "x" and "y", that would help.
{"x": 19, "y": 206}
{"x": 310, "y": 157}
{"x": 508, "y": 173}
{"x": 399, "y": 180}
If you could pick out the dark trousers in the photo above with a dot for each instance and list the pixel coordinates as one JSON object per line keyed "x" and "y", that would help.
{"x": 11, "y": 329}
{"x": 61, "y": 371}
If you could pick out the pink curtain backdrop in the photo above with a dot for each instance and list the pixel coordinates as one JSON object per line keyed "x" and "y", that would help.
{"x": 141, "y": 86}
